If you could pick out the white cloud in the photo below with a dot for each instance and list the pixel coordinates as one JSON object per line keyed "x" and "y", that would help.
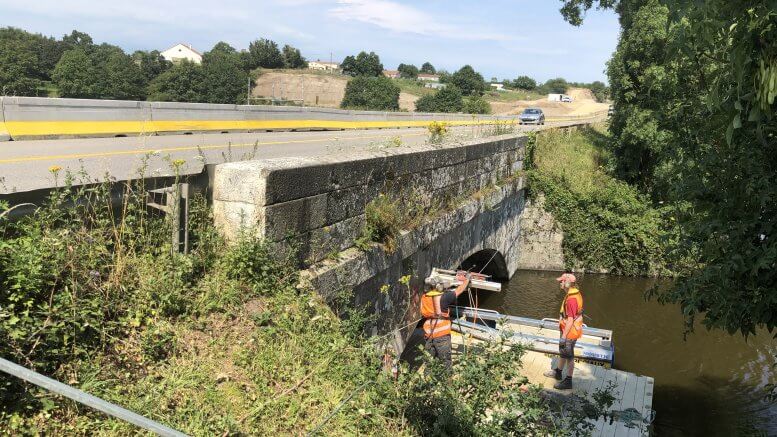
{"x": 401, "y": 18}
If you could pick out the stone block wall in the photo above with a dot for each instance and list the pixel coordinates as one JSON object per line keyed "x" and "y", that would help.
{"x": 321, "y": 201}
{"x": 541, "y": 238}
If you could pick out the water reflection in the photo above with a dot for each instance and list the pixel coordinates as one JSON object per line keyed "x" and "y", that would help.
{"x": 705, "y": 384}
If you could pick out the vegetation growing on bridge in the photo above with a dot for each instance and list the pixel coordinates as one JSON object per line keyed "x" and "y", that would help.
{"x": 217, "y": 341}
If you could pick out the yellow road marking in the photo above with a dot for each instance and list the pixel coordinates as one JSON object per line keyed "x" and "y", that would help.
{"x": 21, "y": 129}
{"x": 184, "y": 149}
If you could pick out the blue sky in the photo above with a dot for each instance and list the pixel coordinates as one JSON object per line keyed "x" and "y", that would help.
{"x": 502, "y": 38}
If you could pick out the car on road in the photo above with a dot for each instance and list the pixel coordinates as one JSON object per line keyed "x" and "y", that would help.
{"x": 532, "y": 116}
{"x": 566, "y": 99}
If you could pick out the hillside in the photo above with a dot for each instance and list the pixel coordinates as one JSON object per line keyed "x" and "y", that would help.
{"x": 327, "y": 90}
{"x": 316, "y": 89}
{"x": 583, "y": 103}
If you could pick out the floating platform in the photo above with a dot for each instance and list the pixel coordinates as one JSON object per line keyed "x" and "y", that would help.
{"x": 632, "y": 409}
{"x": 595, "y": 346}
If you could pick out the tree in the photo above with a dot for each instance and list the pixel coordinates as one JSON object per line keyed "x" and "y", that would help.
{"x": 599, "y": 90}
{"x": 363, "y": 64}
{"x": 151, "y": 64}
{"x": 371, "y": 93}
{"x": 225, "y": 80}
{"x": 292, "y": 58}
{"x": 448, "y": 99}
{"x": 407, "y": 71}
{"x": 184, "y": 82}
{"x": 19, "y": 63}
{"x": 264, "y": 53}
{"x": 554, "y": 86}
{"x": 476, "y": 105}
{"x": 221, "y": 48}
{"x": 124, "y": 79}
{"x": 524, "y": 83}
{"x": 428, "y": 68}
{"x": 468, "y": 81}
{"x": 75, "y": 75}
{"x": 77, "y": 39}
{"x": 694, "y": 90}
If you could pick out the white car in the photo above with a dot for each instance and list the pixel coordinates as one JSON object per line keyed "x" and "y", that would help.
{"x": 566, "y": 99}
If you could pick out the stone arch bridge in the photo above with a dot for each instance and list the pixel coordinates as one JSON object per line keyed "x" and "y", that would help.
{"x": 468, "y": 202}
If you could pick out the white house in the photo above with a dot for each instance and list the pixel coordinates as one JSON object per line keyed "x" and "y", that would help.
{"x": 428, "y": 77}
{"x": 323, "y": 66}
{"x": 180, "y": 52}
{"x": 391, "y": 74}
{"x": 498, "y": 86}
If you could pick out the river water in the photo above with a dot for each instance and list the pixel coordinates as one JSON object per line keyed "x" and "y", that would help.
{"x": 708, "y": 384}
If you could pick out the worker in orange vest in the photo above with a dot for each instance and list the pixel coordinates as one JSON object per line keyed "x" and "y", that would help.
{"x": 571, "y": 328}
{"x": 435, "y": 305}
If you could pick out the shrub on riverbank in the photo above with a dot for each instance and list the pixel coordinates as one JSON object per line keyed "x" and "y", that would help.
{"x": 217, "y": 341}
{"x": 607, "y": 224}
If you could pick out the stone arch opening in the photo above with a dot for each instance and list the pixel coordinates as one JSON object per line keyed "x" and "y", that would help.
{"x": 491, "y": 261}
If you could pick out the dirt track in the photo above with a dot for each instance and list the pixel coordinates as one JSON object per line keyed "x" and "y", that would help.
{"x": 583, "y": 103}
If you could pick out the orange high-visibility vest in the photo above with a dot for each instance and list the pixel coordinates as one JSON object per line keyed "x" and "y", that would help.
{"x": 434, "y": 326}
{"x": 577, "y": 324}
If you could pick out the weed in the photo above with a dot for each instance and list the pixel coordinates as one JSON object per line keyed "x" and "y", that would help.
{"x": 384, "y": 219}
{"x": 438, "y": 131}
{"x": 333, "y": 255}
{"x": 501, "y": 127}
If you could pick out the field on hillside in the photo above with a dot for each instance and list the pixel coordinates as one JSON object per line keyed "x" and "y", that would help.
{"x": 314, "y": 88}
{"x": 327, "y": 90}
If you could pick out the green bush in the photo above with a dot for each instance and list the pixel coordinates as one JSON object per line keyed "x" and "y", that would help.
{"x": 607, "y": 224}
{"x": 371, "y": 93}
{"x": 383, "y": 221}
{"x": 476, "y": 105}
{"x": 558, "y": 85}
{"x": 469, "y": 81}
{"x": 446, "y": 100}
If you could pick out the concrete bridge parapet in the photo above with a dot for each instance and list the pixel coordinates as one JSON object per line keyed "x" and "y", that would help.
{"x": 321, "y": 202}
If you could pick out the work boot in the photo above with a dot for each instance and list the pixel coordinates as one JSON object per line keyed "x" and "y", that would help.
{"x": 564, "y": 384}
{"x": 553, "y": 373}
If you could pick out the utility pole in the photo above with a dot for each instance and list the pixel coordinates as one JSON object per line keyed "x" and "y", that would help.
{"x": 248, "y": 94}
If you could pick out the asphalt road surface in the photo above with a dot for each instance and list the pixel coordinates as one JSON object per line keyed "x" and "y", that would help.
{"x": 27, "y": 165}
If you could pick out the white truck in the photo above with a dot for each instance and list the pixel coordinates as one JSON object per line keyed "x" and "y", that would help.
{"x": 559, "y": 98}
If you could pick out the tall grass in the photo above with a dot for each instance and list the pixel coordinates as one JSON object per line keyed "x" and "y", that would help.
{"x": 608, "y": 225}
{"x": 220, "y": 341}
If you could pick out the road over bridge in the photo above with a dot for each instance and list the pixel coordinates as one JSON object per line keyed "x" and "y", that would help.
{"x": 25, "y": 165}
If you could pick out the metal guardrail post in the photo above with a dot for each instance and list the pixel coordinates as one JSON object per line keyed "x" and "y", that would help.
{"x": 176, "y": 205}
{"x": 87, "y": 399}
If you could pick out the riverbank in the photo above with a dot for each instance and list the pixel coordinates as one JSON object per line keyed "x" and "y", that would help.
{"x": 606, "y": 225}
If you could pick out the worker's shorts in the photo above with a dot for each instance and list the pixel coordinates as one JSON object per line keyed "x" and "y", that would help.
{"x": 440, "y": 348}
{"x": 566, "y": 348}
